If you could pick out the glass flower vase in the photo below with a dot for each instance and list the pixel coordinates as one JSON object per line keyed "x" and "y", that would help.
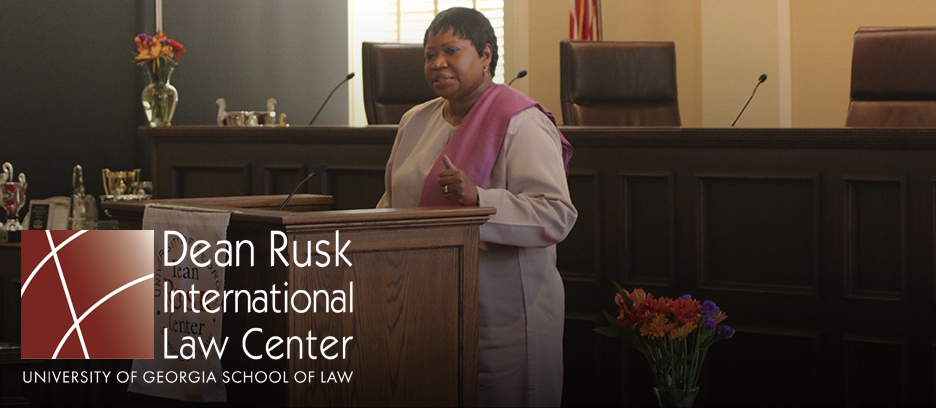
{"x": 159, "y": 97}
{"x": 675, "y": 397}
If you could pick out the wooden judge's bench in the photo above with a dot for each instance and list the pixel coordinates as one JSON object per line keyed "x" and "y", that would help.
{"x": 820, "y": 244}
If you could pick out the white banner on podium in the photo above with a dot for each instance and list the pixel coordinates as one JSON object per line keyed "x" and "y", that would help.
{"x": 178, "y": 325}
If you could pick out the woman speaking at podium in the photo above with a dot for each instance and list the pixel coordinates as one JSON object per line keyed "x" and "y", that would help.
{"x": 489, "y": 145}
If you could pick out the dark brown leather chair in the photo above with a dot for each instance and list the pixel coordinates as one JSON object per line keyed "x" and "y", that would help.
{"x": 893, "y": 80}
{"x": 608, "y": 83}
{"x": 394, "y": 80}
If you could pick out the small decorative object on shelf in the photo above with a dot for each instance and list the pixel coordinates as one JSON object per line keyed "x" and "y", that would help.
{"x": 82, "y": 213}
{"x": 158, "y": 56}
{"x": 249, "y": 118}
{"x": 124, "y": 186}
{"x": 674, "y": 335}
{"x": 13, "y": 196}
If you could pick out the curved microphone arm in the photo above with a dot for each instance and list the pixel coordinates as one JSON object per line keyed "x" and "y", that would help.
{"x": 318, "y": 169}
{"x": 520, "y": 74}
{"x": 347, "y": 78}
{"x": 763, "y": 77}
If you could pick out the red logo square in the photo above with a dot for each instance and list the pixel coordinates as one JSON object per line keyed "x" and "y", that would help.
{"x": 87, "y": 294}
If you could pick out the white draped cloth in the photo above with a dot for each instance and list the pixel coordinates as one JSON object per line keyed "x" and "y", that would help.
{"x": 192, "y": 225}
{"x": 521, "y": 297}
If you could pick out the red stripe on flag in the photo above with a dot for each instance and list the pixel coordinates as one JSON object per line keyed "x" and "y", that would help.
{"x": 584, "y": 21}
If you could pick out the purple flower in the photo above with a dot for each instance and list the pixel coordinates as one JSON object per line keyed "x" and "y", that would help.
{"x": 710, "y": 324}
{"x": 726, "y": 331}
{"x": 685, "y": 297}
{"x": 709, "y": 308}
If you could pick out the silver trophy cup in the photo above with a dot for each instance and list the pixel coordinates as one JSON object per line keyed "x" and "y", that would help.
{"x": 13, "y": 197}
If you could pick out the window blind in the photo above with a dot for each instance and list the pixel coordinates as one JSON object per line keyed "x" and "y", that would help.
{"x": 406, "y": 21}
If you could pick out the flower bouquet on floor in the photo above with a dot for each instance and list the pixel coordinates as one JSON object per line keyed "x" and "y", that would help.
{"x": 673, "y": 334}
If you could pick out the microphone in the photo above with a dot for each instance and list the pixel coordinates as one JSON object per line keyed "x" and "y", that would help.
{"x": 520, "y": 74}
{"x": 763, "y": 77}
{"x": 347, "y": 78}
{"x": 318, "y": 169}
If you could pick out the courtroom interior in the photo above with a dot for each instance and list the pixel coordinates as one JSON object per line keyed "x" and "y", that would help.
{"x": 810, "y": 217}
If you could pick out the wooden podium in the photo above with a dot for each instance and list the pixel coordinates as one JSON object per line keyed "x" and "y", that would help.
{"x": 415, "y": 295}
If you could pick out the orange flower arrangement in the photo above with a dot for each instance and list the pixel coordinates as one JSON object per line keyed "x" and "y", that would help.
{"x": 673, "y": 335}
{"x": 157, "y": 50}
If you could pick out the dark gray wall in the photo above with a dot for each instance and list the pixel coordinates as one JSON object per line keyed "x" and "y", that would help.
{"x": 248, "y": 51}
{"x": 69, "y": 91}
{"x": 71, "y": 95}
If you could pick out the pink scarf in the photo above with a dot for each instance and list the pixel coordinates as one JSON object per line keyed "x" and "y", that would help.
{"x": 475, "y": 145}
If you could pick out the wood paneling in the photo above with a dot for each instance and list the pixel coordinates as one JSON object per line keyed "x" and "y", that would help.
{"x": 271, "y": 154}
{"x": 876, "y": 214}
{"x": 875, "y": 372}
{"x": 649, "y": 230}
{"x": 591, "y": 358}
{"x": 812, "y": 240}
{"x": 284, "y": 178}
{"x": 355, "y": 187}
{"x": 10, "y": 285}
{"x": 582, "y": 245}
{"x": 391, "y": 314}
{"x": 759, "y": 232}
{"x": 209, "y": 180}
{"x": 742, "y": 370}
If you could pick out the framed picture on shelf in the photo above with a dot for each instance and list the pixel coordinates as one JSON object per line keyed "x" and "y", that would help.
{"x": 47, "y": 214}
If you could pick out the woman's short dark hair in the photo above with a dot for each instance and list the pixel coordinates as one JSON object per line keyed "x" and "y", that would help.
{"x": 469, "y": 24}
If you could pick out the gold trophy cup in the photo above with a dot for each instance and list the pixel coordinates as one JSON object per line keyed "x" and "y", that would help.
{"x": 118, "y": 184}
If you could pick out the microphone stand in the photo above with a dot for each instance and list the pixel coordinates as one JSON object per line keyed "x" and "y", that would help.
{"x": 520, "y": 74}
{"x": 318, "y": 169}
{"x": 347, "y": 78}
{"x": 760, "y": 80}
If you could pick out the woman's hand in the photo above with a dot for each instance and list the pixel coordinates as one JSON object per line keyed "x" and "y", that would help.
{"x": 456, "y": 186}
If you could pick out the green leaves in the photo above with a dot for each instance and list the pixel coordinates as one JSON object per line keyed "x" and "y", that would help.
{"x": 613, "y": 329}
{"x": 624, "y": 295}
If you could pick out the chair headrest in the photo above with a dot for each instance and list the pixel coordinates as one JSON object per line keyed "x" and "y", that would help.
{"x": 896, "y": 63}
{"x": 612, "y": 71}
{"x": 394, "y": 72}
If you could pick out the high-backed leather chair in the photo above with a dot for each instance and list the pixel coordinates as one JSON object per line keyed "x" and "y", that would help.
{"x": 394, "y": 80}
{"x": 609, "y": 83}
{"x": 893, "y": 80}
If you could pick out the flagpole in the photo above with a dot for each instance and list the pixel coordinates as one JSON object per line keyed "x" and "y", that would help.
{"x": 158, "y": 15}
{"x": 598, "y": 20}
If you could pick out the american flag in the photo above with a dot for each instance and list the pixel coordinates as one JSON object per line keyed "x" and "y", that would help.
{"x": 585, "y": 20}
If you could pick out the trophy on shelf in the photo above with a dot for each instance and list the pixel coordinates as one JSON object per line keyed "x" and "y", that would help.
{"x": 14, "y": 197}
{"x": 83, "y": 210}
{"x": 249, "y": 118}
{"x": 125, "y": 185}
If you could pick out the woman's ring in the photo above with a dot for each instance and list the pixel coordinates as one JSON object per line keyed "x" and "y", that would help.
{"x": 445, "y": 189}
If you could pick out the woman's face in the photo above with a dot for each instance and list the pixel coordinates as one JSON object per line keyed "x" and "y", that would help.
{"x": 454, "y": 69}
